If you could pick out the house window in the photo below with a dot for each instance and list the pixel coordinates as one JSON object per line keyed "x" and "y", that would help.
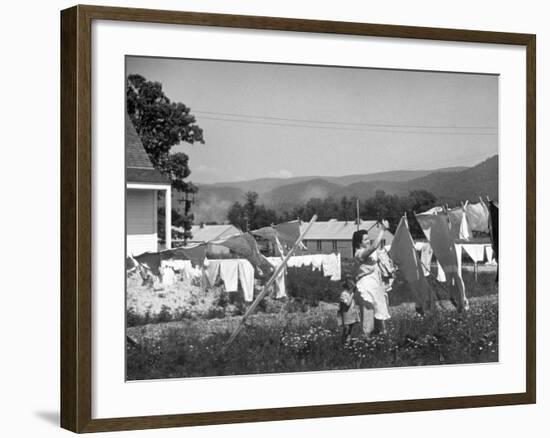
{"x": 335, "y": 245}
{"x": 319, "y": 247}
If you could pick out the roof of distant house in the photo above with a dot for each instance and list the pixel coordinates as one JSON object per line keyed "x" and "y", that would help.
{"x": 206, "y": 233}
{"x": 138, "y": 165}
{"x": 339, "y": 230}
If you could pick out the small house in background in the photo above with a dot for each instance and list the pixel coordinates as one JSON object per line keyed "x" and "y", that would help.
{"x": 143, "y": 183}
{"x": 335, "y": 236}
{"x": 206, "y": 233}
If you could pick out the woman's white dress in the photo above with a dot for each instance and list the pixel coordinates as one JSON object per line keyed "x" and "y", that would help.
{"x": 370, "y": 284}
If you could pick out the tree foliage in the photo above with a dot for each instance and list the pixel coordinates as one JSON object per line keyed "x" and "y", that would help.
{"x": 250, "y": 215}
{"x": 162, "y": 124}
{"x": 178, "y": 220}
{"x": 380, "y": 206}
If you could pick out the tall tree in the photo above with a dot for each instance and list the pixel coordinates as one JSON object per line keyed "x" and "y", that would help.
{"x": 162, "y": 124}
{"x": 251, "y": 215}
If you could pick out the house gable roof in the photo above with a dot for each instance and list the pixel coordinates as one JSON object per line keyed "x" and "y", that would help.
{"x": 339, "y": 230}
{"x": 206, "y": 233}
{"x": 138, "y": 165}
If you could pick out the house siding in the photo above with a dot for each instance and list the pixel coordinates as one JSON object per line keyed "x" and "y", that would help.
{"x": 344, "y": 247}
{"x": 323, "y": 246}
{"x": 141, "y": 220}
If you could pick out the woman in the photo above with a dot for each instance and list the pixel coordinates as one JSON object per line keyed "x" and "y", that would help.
{"x": 371, "y": 290}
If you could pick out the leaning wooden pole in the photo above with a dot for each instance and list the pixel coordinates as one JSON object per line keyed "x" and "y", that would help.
{"x": 271, "y": 280}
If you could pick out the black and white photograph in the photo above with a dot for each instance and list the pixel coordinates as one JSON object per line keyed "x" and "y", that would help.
{"x": 289, "y": 218}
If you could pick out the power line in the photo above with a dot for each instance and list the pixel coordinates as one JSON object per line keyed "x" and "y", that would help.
{"x": 375, "y": 125}
{"x": 342, "y": 128}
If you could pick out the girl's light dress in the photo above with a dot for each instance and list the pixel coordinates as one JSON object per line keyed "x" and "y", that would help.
{"x": 370, "y": 285}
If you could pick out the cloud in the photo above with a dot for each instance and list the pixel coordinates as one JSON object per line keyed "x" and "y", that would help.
{"x": 281, "y": 173}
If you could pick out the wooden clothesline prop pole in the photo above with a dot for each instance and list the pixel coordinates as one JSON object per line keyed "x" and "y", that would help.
{"x": 268, "y": 284}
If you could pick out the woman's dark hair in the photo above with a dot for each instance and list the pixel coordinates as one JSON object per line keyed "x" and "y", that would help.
{"x": 357, "y": 239}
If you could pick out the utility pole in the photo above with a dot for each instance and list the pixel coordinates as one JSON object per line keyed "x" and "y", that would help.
{"x": 357, "y": 213}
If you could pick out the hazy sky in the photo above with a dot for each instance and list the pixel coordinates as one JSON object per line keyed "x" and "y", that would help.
{"x": 263, "y": 120}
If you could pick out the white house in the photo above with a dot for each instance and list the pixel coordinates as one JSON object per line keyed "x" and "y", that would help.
{"x": 335, "y": 236}
{"x": 143, "y": 182}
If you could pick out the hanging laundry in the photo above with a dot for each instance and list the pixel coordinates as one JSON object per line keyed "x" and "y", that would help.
{"x": 212, "y": 271}
{"x": 441, "y": 274}
{"x": 288, "y": 232}
{"x": 151, "y": 260}
{"x": 229, "y": 273}
{"x": 475, "y": 251}
{"x": 387, "y": 268}
{"x": 458, "y": 249}
{"x": 131, "y": 263}
{"x": 329, "y": 265}
{"x": 280, "y": 285}
{"x": 478, "y": 217}
{"x": 176, "y": 265}
{"x": 267, "y": 233}
{"x": 436, "y": 227}
{"x": 283, "y": 235}
{"x": 168, "y": 276}
{"x": 196, "y": 253}
{"x": 434, "y": 210}
{"x": 317, "y": 262}
{"x": 493, "y": 221}
{"x": 426, "y": 255}
{"x": 490, "y": 255}
{"x": 299, "y": 261}
{"x": 338, "y": 274}
{"x": 385, "y": 263}
{"x": 459, "y": 280}
{"x": 279, "y": 246}
{"x": 246, "y": 279}
{"x": 459, "y": 224}
{"x": 405, "y": 257}
{"x": 493, "y": 209}
{"x": 332, "y": 266}
{"x": 245, "y": 245}
{"x": 184, "y": 267}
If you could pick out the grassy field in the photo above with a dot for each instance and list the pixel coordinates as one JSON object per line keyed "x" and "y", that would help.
{"x": 291, "y": 340}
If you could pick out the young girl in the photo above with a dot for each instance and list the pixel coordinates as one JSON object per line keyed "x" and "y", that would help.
{"x": 347, "y": 310}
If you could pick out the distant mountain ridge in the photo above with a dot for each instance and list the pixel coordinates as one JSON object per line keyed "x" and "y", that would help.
{"x": 449, "y": 185}
{"x": 263, "y": 185}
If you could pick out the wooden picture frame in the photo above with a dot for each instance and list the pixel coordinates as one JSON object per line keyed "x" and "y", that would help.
{"x": 76, "y": 217}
